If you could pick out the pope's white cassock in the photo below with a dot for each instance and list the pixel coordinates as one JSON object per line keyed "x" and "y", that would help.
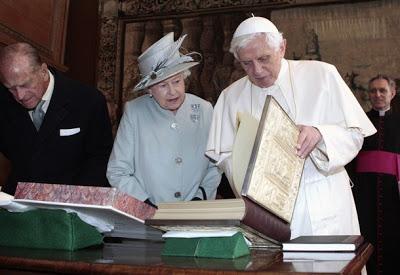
{"x": 312, "y": 93}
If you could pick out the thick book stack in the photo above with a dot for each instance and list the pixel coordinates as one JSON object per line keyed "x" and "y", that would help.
{"x": 223, "y": 215}
{"x": 268, "y": 184}
{"x": 125, "y": 213}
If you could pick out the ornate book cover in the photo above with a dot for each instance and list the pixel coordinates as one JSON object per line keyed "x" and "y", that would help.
{"x": 85, "y": 195}
{"x": 273, "y": 176}
{"x": 125, "y": 213}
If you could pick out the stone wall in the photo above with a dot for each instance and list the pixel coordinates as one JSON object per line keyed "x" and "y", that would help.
{"x": 359, "y": 39}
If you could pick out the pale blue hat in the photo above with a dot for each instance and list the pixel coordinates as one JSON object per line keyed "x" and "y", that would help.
{"x": 163, "y": 60}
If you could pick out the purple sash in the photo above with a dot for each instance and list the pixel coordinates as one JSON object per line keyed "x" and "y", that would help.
{"x": 379, "y": 162}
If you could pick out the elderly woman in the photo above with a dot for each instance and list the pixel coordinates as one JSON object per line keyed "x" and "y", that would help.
{"x": 158, "y": 154}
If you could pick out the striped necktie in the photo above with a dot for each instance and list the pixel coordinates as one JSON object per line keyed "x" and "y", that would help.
{"x": 38, "y": 115}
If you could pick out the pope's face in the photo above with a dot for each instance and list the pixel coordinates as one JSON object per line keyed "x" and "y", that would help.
{"x": 261, "y": 62}
{"x": 170, "y": 93}
{"x": 380, "y": 94}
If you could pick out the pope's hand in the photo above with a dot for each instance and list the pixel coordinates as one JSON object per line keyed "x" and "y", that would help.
{"x": 308, "y": 139}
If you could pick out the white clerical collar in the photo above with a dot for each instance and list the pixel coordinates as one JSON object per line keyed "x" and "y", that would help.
{"x": 382, "y": 112}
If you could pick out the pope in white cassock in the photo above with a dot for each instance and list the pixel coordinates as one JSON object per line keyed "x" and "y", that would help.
{"x": 332, "y": 124}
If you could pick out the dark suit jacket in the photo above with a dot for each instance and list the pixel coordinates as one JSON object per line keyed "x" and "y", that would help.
{"x": 54, "y": 155}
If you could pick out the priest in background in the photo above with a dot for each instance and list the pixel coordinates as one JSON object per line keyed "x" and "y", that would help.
{"x": 375, "y": 173}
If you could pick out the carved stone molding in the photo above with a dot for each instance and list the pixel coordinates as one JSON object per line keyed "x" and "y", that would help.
{"x": 140, "y": 8}
{"x": 107, "y": 54}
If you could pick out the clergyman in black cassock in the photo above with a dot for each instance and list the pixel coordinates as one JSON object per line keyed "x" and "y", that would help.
{"x": 376, "y": 179}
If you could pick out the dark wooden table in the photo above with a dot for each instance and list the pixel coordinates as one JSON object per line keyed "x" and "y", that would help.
{"x": 141, "y": 257}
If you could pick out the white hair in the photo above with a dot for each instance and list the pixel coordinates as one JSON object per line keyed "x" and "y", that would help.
{"x": 274, "y": 40}
{"x": 186, "y": 73}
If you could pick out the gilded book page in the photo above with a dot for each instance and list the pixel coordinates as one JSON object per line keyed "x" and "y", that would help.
{"x": 274, "y": 172}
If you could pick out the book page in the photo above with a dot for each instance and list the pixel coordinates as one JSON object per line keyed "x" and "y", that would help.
{"x": 318, "y": 256}
{"x": 104, "y": 218}
{"x": 274, "y": 172}
{"x": 256, "y": 239}
{"x": 228, "y": 209}
{"x": 244, "y": 142}
{"x": 5, "y": 198}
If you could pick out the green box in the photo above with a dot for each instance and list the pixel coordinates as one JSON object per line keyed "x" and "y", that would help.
{"x": 207, "y": 247}
{"x": 46, "y": 228}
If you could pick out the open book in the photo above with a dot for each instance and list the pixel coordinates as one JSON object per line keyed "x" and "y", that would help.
{"x": 101, "y": 205}
{"x": 268, "y": 177}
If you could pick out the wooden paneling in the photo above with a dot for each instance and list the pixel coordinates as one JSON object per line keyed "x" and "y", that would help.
{"x": 41, "y": 23}
{"x": 82, "y": 40}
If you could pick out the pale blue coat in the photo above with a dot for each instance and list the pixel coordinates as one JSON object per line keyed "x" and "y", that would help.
{"x": 160, "y": 156}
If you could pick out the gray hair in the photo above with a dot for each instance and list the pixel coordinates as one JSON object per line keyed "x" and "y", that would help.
{"x": 390, "y": 81}
{"x": 274, "y": 40}
{"x": 9, "y": 52}
{"x": 186, "y": 73}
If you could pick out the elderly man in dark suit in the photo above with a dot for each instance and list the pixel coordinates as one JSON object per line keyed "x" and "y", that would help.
{"x": 52, "y": 129}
